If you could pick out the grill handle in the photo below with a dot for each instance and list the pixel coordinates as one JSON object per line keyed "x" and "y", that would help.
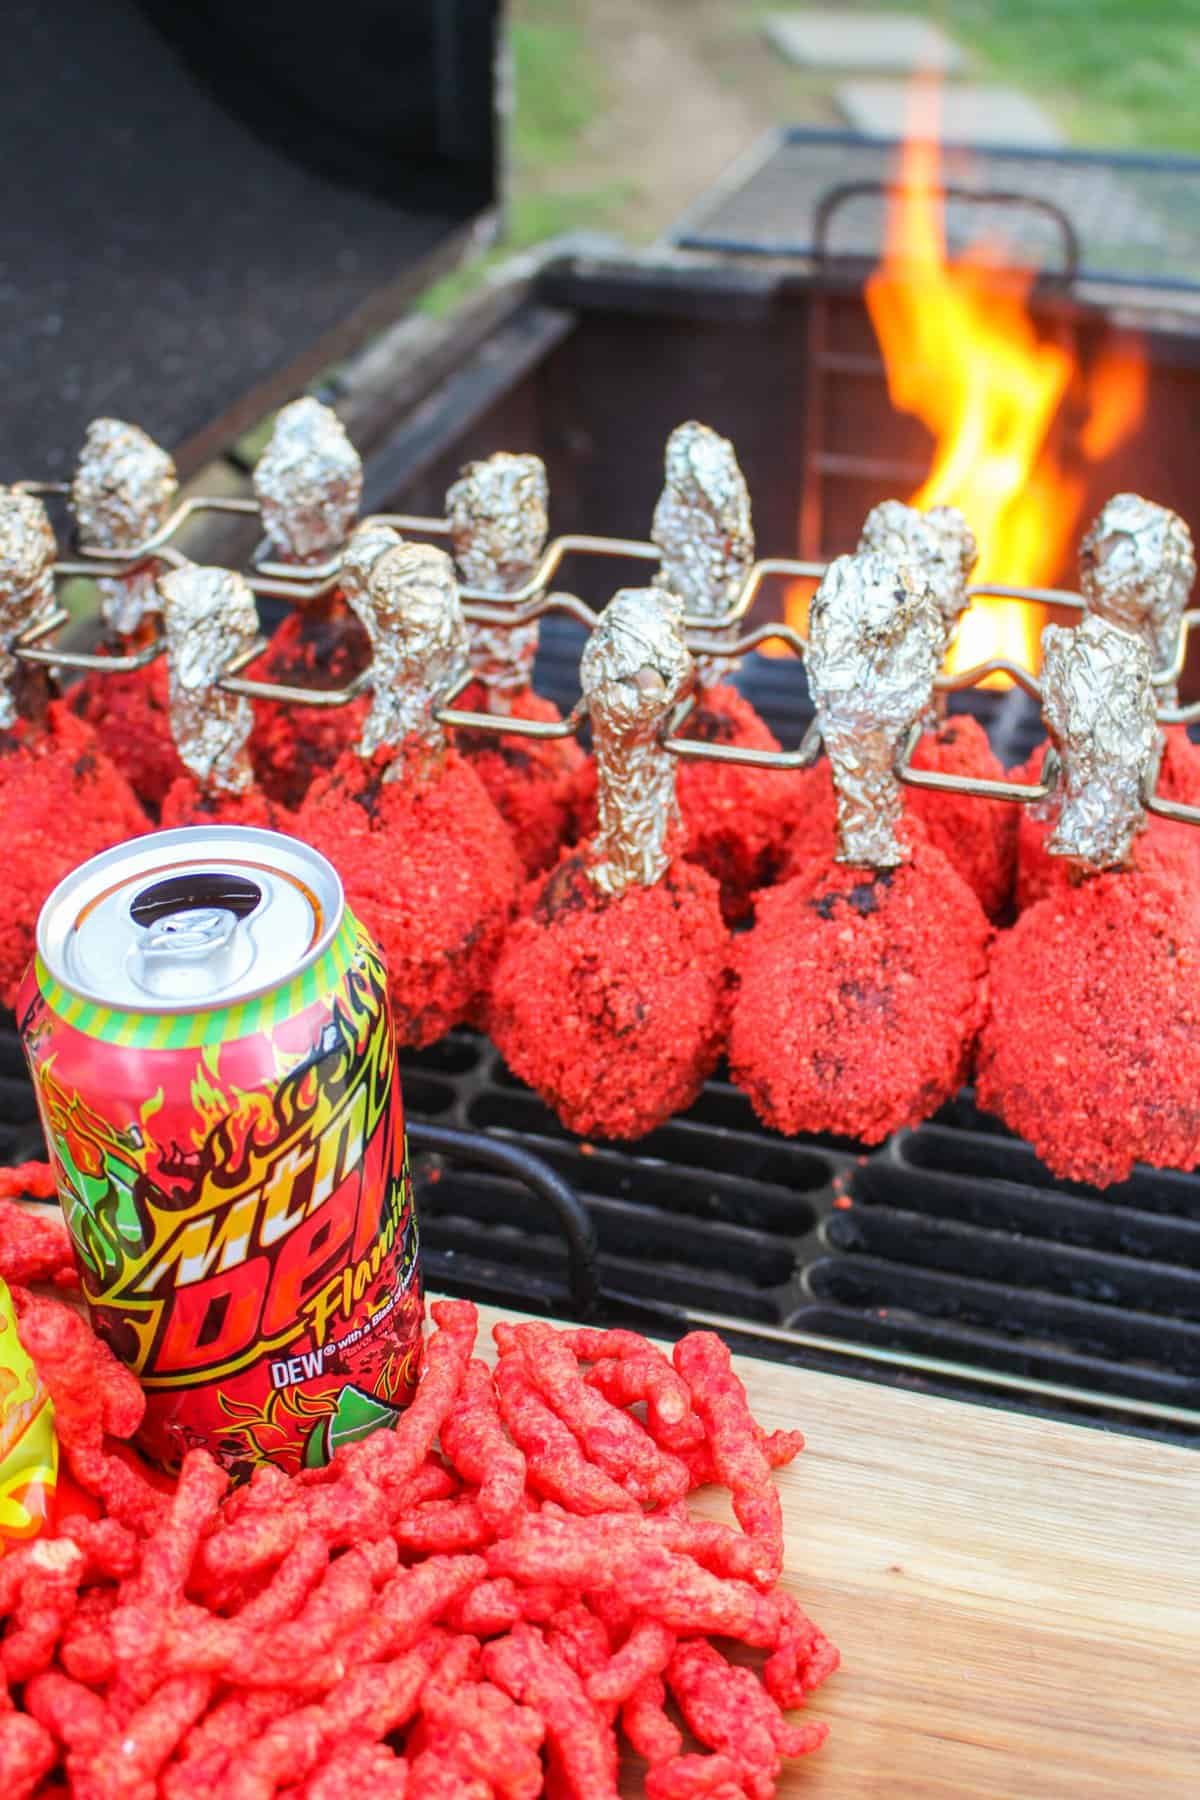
{"x": 576, "y": 1226}
{"x": 836, "y": 197}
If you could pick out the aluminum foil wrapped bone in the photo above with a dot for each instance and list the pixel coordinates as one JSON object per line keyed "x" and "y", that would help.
{"x": 938, "y": 544}
{"x": 1099, "y": 709}
{"x": 703, "y": 529}
{"x": 408, "y": 603}
{"x": 209, "y": 617}
{"x": 634, "y": 669}
{"x": 875, "y": 635}
{"x": 122, "y": 491}
{"x": 1137, "y": 565}
{"x": 308, "y": 482}
{"x": 27, "y": 553}
{"x": 499, "y": 522}
{"x": 367, "y": 542}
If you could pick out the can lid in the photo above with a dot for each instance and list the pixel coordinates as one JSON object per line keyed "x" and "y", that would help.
{"x": 181, "y": 921}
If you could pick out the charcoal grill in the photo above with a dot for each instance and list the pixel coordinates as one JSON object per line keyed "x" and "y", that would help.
{"x": 948, "y": 1258}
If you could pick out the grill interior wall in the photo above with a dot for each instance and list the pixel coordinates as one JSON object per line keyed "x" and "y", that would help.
{"x": 644, "y": 352}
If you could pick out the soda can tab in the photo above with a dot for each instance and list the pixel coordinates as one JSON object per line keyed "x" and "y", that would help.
{"x": 208, "y": 1031}
{"x": 28, "y": 1445}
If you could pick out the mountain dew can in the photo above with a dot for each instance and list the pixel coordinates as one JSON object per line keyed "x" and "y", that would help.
{"x": 208, "y": 1031}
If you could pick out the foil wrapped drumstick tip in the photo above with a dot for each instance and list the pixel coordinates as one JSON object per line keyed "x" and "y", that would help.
{"x": 938, "y": 544}
{"x": 875, "y": 645}
{"x": 634, "y": 669}
{"x": 209, "y": 617}
{"x": 498, "y": 511}
{"x": 121, "y": 494}
{"x": 407, "y": 598}
{"x": 1137, "y": 566}
{"x": 27, "y": 553}
{"x": 703, "y": 529}
{"x": 308, "y": 482}
{"x": 1098, "y": 705}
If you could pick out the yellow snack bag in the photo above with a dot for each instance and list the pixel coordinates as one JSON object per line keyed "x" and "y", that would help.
{"x": 28, "y": 1443}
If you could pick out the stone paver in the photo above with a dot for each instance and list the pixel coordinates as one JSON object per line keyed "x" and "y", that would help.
{"x": 882, "y": 42}
{"x": 966, "y": 114}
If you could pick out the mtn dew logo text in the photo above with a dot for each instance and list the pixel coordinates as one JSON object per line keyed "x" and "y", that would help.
{"x": 236, "y": 1183}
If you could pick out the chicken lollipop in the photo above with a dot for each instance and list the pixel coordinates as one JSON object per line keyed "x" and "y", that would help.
{"x": 736, "y": 817}
{"x": 610, "y": 994}
{"x": 980, "y": 840}
{"x": 498, "y": 525}
{"x": 122, "y": 491}
{"x": 1136, "y": 568}
{"x": 208, "y": 617}
{"x": 309, "y": 482}
{"x": 862, "y": 981}
{"x": 1092, "y": 1042}
{"x": 61, "y": 799}
{"x": 426, "y": 860}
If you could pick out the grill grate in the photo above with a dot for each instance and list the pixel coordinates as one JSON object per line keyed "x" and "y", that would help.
{"x": 950, "y": 1245}
{"x": 951, "y": 1241}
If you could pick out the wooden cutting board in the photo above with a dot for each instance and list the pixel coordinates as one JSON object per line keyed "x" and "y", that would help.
{"x": 1017, "y": 1602}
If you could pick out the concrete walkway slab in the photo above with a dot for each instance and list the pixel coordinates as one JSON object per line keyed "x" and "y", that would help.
{"x": 893, "y": 43}
{"x": 967, "y": 114}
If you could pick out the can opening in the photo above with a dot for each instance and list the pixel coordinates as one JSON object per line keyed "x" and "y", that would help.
{"x": 184, "y": 893}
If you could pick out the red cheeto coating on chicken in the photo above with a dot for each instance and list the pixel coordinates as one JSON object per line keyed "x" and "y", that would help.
{"x": 429, "y": 867}
{"x": 614, "y": 1008}
{"x": 61, "y": 800}
{"x": 861, "y": 993}
{"x": 1094, "y": 1026}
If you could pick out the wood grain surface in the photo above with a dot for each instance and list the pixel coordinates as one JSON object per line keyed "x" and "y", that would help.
{"x": 1017, "y": 1602}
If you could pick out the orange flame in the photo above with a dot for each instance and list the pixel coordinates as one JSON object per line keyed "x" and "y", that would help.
{"x": 964, "y": 355}
{"x": 246, "y": 1113}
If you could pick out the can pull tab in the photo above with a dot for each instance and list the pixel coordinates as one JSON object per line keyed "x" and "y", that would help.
{"x": 192, "y": 943}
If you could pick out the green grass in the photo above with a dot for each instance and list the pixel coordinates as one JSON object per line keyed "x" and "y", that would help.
{"x": 557, "y": 92}
{"x": 1123, "y": 73}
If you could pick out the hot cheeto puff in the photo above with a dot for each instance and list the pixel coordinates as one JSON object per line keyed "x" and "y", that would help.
{"x": 470, "y": 1605}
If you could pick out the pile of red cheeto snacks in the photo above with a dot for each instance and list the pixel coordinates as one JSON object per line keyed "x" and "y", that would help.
{"x": 485, "y": 1601}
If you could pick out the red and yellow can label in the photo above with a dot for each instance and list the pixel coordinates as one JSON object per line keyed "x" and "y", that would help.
{"x": 28, "y": 1445}
{"x": 237, "y": 1186}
